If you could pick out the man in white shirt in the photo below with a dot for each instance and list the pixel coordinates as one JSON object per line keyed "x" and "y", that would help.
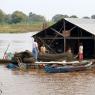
{"x": 35, "y": 50}
{"x": 80, "y": 52}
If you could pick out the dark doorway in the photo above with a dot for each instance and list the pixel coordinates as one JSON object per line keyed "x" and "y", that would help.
{"x": 88, "y": 46}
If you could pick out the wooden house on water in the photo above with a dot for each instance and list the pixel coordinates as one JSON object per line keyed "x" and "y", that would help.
{"x": 69, "y": 33}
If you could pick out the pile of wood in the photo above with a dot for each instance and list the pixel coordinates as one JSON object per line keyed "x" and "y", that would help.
{"x": 51, "y": 57}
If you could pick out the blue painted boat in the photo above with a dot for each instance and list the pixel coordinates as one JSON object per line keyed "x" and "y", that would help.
{"x": 59, "y": 68}
{"x": 11, "y": 66}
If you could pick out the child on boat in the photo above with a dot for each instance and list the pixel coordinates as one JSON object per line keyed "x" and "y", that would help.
{"x": 69, "y": 55}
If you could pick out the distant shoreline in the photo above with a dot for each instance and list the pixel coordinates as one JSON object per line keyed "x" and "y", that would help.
{"x": 20, "y": 28}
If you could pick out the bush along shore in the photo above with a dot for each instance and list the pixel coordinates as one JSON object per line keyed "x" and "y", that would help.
{"x": 22, "y": 27}
{"x": 18, "y": 28}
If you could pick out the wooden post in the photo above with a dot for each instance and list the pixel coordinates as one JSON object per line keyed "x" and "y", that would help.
{"x": 64, "y": 37}
{"x": 64, "y": 25}
{"x": 94, "y": 46}
{"x": 64, "y": 44}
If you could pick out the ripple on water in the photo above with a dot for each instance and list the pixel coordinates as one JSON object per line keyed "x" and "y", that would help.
{"x": 37, "y": 82}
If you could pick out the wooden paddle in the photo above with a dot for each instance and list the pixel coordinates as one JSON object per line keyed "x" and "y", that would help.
{"x": 6, "y": 51}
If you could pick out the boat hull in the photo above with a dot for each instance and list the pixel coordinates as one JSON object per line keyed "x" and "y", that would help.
{"x": 5, "y": 61}
{"x": 63, "y": 69}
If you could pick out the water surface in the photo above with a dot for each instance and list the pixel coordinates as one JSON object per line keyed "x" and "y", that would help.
{"x": 37, "y": 82}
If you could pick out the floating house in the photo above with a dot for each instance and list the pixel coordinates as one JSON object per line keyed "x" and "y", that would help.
{"x": 69, "y": 33}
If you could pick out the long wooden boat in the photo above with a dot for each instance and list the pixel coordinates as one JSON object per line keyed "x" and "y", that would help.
{"x": 59, "y": 68}
{"x": 5, "y": 61}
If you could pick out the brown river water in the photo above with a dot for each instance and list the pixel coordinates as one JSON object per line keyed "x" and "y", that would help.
{"x": 37, "y": 82}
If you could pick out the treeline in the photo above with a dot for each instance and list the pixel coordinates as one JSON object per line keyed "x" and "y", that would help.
{"x": 20, "y": 22}
{"x": 20, "y": 17}
{"x": 60, "y": 16}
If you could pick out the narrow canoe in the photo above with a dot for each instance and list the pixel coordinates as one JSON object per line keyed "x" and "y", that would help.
{"x": 59, "y": 68}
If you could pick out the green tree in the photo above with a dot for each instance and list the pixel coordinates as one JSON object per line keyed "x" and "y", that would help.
{"x": 93, "y": 17}
{"x": 58, "y": 17}
{"x": 30, "y": 15}
{"x": 86, "y": 17}
{"x": 36, "y": 18}
{"x": 8, "y": 18}
{"x": 2, "y": 16}
{"x": 73, "y": 16}
{"x": 18, "y": 17}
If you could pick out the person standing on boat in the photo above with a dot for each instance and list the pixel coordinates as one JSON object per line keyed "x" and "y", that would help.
{"x": 43, "y": 49}
{"x": 35, "y": 50}
{"x": 80, "y": 52}
{"x": 69, "y": 55}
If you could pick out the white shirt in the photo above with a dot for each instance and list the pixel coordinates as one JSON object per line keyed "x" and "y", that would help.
{"x": 35, "y": 45}
{"x": 81, "y": 49}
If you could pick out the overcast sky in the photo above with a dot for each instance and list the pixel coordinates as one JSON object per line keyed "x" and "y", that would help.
{"x": 49, "y": 8}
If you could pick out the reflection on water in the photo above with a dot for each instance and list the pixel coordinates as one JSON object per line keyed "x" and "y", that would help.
{"x": 37, "y": 82}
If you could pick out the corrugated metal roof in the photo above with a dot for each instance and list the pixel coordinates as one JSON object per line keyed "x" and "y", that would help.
{"x": 86, "y": 24}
